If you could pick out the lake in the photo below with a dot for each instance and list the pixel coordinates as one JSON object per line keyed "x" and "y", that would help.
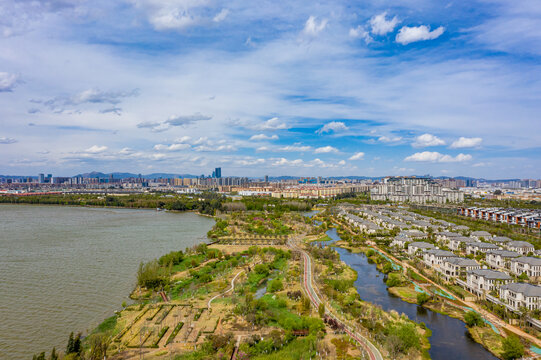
{"x": 66, "y": 269}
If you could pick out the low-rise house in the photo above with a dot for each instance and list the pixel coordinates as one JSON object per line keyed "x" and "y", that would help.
{"x": 456, "y": 243}
{"x": 445, "y": 236}
{"x": 435, "y": 257}
{"x": 481, "y": 281}
{"x": 500, "y": 240}
{"x": 481, "y": 234}
{"x": 419, "y": 246}
{"x": 522, "y": 247}
{"x": 526, "y": 264}
{"x": 400, "y": 241}
{"x": 416, "y": 234}
{"x": 480, "y": 247}
{"x": 500, "y": 259}
{"x": 521, "y": 295}
{"x": 458, "y": 266}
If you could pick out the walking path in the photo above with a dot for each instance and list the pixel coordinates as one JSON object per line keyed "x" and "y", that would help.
{"x": 370, "y": 349}
{"x": 227, "y": 291}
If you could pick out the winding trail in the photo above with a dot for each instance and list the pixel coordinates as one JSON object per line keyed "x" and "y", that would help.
{"x": 307, "y": 284}
{"x": 227, "y": 291}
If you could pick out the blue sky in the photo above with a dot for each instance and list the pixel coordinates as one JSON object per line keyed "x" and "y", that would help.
{"x": 280, "y": 88}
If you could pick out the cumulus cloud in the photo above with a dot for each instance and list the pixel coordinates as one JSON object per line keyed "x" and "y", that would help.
{"x": 7, "y": 140}
{"x": 95, "y": 149}
{"x": 357, "y": 156}
{"x": 360, "y": 33}
{"x": 264, "y": 137}
{"x": 412, "y": 34}
{"x": 389, "y": 139}
{"x": 325, "y": 150}
{"x": 172, "y": 147}
{"x": 334, "y": 126}
{"x": 312, "y": 27}
{"x": 381, "y": 26}
{"x": 426, "y": 140}
{"x": 272, "y": 124}
{"x": 286, "y": 162}
{"x": 464, "y": 142}
{"x": 8, "y": 81}
{"x": 182, "y": 120}
{"x": 175, "y": 120}
{"x": 294, "y": 148}
{"x": 436, "y": 157}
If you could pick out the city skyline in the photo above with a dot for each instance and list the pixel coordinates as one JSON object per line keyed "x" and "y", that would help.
{"x": 331, "y": 89}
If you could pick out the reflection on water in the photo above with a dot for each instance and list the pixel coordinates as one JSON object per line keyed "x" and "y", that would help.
{"x": 450, "y": 339}
{"x": 66, "y": 269}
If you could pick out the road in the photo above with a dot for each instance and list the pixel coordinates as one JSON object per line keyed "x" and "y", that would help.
{"x": 369, "y": 348}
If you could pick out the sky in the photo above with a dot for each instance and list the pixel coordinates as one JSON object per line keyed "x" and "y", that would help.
{"x": 301, "y": 88}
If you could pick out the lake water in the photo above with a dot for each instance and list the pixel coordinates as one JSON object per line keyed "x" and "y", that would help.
{"x": 66, "y": 269}
{"x": 450, "y": 339}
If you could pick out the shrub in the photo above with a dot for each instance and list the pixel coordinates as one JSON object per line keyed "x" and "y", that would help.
{"x": 473, "y": 318}
{"x": 422, "y": 298}
{"x": 275, "y": 285}
{"x": 393, "y": 280}
{"x": 512, "y": 348}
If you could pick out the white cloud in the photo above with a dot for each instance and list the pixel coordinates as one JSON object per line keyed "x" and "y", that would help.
{"x": 325, "y": 150}
{"x": 286, "y": 162}
{"x": 436, "y": 157}
{"x": 7, "y": 140}
{"x": 293, "y": 148}
{"x": 381, "y": 26}
{"x": 182, "y": 120}
{"x": 464, "y": 142}
{"x": 333, "y": 126}
{"x": 312, "y": 27}
{"x": 172, "y": 147}
{"x": 357, "y": 156}
{"x": 8, "y": 81}
{"x": 426, "y": 140}
{"x": 272, "y": 124}
{"x": 389, "y": 139}
{"x": 408, "y": 34}
{"x": 95, "y": 149}
{"x": 250, "y": 162}
{"x": 342, "y": 162}
{"x": 221, "y": 15}
{"x": 360, "y": 33}
{"x": 264, "y": 137}
{"x": 172, "y": 14}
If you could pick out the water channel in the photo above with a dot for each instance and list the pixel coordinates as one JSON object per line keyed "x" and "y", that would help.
{"x": 450, "y": 339}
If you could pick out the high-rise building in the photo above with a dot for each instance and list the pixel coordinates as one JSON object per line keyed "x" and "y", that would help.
{"x": 266, "y": 178}
{"x": 41, "y": 179}
{"x": 217, "y": 173}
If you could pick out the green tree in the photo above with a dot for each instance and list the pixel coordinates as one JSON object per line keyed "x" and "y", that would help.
{"x": 422, "y": 298}
{"x": 54, "y": 355}
{"x": 473, "y": 318}
{"x": 275, "y": 285}
{"x": 523, "y": 277}
{"x": 393, "y": 280}
{"x": 512, "y": 348}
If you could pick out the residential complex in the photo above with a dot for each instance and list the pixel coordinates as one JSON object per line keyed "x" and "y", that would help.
{"x": 414, "y": 189}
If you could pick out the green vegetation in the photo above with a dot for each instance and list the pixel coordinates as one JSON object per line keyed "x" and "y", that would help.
{"x": 422, "y": 298}
{"x": 512, "y": 348}
{"x": 205, "y": 203}
{"x": 401, "y": 338}
{"x": 174, "y": 333}
{"x": 473, "y": 318}
{"x": 394, "y": 280}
